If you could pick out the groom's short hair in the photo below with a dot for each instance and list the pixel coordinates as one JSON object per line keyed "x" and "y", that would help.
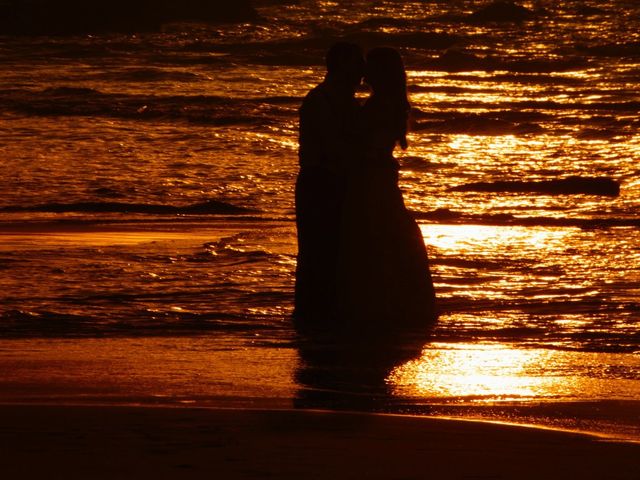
{"x": 342, "y": 56}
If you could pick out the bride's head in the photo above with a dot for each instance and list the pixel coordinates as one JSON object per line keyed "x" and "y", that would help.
{"x": 385, "y": 71}
{"x": 385, "y": 74}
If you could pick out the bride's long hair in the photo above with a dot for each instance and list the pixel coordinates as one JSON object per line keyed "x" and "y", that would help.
{"x": 387, "y": 77}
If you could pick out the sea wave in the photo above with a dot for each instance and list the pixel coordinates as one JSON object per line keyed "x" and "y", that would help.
{"x": 149, "y": 74}
{"x": 566, "y": 186}
{"x": 145, "y": 323}
{"x": 498, "y": 12}
{"x": 460, "y": 61}
{"x": 632, "y": 106}
{"x": 205, "y": 109}
{"x": 310, "y": 50}
{"x": 445, "y": 215}
{"x": 324, "y": 39}
{"x": 209, "y": 207}
{"x": 506, "y": 118}
{"x": 624, "y": 49}
{"x": 478, "y": 124}
{"x": 139, "y": 320}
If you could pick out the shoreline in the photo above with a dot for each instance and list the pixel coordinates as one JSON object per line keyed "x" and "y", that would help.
{"x": 279, "y": 406}
{"x": 235, "y": 371}
{"x": 184, "y": 442}
{"x": 528, "y": 416}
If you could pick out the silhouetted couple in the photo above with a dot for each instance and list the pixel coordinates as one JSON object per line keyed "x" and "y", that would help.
{"x": 361, "y": 257}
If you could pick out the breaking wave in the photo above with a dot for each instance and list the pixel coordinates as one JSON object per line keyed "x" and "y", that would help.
{"x": 210, "y": 207}
{"x": 205, "y": 109}
{"x": 445, "y": 215}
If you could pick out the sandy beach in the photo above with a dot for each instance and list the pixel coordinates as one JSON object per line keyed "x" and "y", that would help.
{"x": 132, "y": 442}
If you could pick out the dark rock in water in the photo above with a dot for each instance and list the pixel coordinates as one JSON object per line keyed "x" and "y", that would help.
{"x": 502, "y": 11}
{"x": 77, "y": 17}
{"x": 567, "y": 186}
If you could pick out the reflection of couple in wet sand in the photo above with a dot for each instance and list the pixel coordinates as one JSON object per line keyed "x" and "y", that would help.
{"x": 361, "y": 257}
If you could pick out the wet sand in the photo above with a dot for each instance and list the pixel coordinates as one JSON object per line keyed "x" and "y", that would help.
{"x": 133, "y": 442}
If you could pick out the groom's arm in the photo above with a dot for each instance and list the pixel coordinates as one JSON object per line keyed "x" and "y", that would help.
{"x": 315, "y": 114}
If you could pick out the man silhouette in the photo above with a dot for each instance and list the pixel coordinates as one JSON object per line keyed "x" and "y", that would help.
{"x": 327, "y": 143}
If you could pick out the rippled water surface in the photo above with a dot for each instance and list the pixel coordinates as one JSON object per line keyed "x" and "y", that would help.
{"x": 147, "y": 187}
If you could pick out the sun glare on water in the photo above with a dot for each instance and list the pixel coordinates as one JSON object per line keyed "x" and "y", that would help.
{"x": 458, "y": 238}
{"x": 474, "y": 372}
{"x": 468, "y": 372}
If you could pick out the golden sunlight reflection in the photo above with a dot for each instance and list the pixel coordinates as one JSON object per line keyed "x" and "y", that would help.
{"x": 491, "y": 146}
{"x": 497, "y": 373}
{"x": 462, "y": 237}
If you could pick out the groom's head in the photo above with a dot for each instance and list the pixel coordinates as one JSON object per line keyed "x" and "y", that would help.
{"x": 345, "y": 64}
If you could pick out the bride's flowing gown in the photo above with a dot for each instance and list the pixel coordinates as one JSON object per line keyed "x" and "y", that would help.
{"x": 384, "y": 277}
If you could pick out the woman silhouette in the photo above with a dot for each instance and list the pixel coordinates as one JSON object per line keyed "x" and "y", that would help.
{"x": 384, "y": 277}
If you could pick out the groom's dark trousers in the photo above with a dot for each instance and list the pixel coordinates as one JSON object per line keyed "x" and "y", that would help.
{"x": 319, "y": 198}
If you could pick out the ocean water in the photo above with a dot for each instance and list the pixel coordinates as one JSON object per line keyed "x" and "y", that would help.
{"x": 146, "y": 213}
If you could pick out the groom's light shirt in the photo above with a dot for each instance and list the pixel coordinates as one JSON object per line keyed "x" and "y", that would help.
{"x": 328, "y": 117}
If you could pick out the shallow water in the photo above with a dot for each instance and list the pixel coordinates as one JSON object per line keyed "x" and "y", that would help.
{"x": 147, "y": 195}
